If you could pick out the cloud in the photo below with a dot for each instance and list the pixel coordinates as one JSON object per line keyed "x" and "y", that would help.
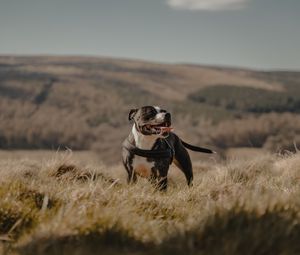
{"x": 208, "y": 5}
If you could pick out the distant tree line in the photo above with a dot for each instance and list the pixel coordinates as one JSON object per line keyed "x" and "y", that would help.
{"x": 249, "y": 99}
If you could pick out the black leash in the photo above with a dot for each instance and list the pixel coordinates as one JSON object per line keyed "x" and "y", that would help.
{"x": 196, "y": 148}
{"x": 167, "y": 153}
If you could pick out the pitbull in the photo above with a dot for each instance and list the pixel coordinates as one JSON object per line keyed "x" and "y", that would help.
{"x": 151, "y": 147}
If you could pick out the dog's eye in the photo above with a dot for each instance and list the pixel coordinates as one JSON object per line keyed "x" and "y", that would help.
{"x": 163, "y": 111}
{"x": 150, "y": 114}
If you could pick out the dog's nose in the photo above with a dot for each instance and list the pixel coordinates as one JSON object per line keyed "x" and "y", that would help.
{"x": 168, "y": 117}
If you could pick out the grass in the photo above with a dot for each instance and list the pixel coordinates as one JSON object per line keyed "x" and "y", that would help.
{"x": 63, "y": 206}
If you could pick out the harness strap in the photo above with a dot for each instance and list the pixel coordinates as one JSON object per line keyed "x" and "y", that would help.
{"x": 158, "y": 154}
{"x": 167, "y": 153}
{"x": 196, "y": 148}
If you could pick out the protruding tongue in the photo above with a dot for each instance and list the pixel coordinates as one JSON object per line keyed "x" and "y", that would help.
{"x": 166, "y": 129}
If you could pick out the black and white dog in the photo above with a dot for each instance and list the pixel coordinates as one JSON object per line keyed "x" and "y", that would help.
{"x": 151, "y": 147}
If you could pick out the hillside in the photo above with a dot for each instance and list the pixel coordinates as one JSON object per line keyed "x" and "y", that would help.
{"x": 82, "y": 103}
{"x": 62, "y": 206}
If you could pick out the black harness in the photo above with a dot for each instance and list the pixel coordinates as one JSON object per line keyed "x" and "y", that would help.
{"x": 155, "y": 154}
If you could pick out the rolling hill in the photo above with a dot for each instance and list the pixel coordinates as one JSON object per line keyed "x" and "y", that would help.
{"x": 82, "y": 103}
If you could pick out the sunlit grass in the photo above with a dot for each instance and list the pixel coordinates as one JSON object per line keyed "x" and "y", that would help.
{"x": 58, "y": 206}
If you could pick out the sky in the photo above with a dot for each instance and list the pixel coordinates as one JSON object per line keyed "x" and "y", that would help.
{"x": 259, "y": 34}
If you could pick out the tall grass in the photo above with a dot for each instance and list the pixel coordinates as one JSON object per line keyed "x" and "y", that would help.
{"x": 60, "y": 206}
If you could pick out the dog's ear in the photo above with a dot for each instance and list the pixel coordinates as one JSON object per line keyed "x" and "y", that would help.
{"x": 132, "y": 113}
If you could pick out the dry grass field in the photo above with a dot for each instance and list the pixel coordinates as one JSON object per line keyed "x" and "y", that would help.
{"x": 245, "y": 200}
{"x": 66, "y": 203}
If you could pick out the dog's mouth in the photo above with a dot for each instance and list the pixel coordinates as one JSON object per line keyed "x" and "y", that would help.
{"x": 163, "y": 128}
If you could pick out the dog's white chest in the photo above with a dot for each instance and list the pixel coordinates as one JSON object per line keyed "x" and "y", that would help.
{"x": 142, "y": 167}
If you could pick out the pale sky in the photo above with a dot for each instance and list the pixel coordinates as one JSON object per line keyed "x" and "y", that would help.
{"x": 260, "y": 34}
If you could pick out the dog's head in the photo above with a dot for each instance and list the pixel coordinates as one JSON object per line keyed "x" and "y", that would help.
{"x": 151, "y": 120}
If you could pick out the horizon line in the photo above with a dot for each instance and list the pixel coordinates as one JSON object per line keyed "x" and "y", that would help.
{"x": 159, "y": 62}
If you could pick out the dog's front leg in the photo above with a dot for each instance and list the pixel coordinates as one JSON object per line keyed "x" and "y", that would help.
{"x": 162, "y": 179}
{"x": 131, "y": 178}
{"x": 163, "y": 183}
{"x": 131, "y": 175}
{"x": 158, "y": 179}
{"x": 154, "y": 175}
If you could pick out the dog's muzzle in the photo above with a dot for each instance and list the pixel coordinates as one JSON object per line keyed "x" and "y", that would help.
{"x": 158, "y": 129}
{"x": 163, "y": 128}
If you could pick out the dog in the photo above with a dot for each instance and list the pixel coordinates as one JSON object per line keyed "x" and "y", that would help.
{"x": 151, "y": 147}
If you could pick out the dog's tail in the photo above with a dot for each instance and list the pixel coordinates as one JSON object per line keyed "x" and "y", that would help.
{"x": 196, "y": 148}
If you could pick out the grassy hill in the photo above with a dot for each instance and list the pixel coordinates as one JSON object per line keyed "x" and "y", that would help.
{"x": 70, "y": 203}
{"x": 61, "y": 207}
{"x": 82, "y": 103}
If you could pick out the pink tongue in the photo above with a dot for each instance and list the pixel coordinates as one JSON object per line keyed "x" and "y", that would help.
{"x": 166, "y": 129}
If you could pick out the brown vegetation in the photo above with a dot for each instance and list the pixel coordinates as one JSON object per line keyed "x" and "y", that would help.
{"x": 237, "y": 207}
{"x": 276, "y": 132}
{"x": 82, "y": 103}
{"x": 63, "y": 206}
